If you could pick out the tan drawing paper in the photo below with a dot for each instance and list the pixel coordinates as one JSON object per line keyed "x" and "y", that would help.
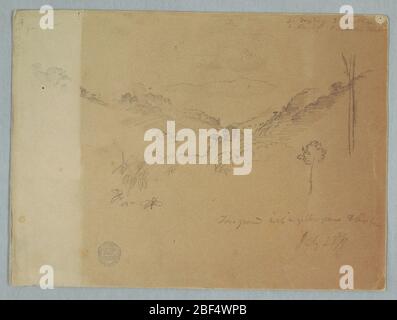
{"x": 85, "y": 202}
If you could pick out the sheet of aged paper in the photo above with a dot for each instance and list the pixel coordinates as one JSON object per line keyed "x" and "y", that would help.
{"x": 310, "y": 208}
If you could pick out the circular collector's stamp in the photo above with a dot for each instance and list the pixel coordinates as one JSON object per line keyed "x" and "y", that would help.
{"x": 109, "y": 253}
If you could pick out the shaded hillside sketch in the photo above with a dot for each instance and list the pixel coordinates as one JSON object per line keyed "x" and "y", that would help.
{"x": 312, "y": 154}
{"x": 298, "y": 113}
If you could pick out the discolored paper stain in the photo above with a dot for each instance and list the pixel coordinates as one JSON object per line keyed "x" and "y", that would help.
{"x": 22, "y": 219}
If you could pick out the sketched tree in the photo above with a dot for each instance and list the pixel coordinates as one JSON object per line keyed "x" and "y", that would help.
{"x": 312, "y": 154}
{"x": 350, "y": 71}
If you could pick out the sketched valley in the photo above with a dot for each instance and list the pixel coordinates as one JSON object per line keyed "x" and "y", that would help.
{"x": 141, "y": 109}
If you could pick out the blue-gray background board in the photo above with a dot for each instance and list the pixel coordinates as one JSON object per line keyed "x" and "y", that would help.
{"x": 387, "y": 7}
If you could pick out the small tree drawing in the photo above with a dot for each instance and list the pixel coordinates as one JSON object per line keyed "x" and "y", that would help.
{"x": 312, "y": 154}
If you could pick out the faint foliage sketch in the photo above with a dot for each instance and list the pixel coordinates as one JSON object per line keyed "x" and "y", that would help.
{"x": 152, "y": 203}
{"x": 52, "y": 76}
{"x": 93, "y": 97}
